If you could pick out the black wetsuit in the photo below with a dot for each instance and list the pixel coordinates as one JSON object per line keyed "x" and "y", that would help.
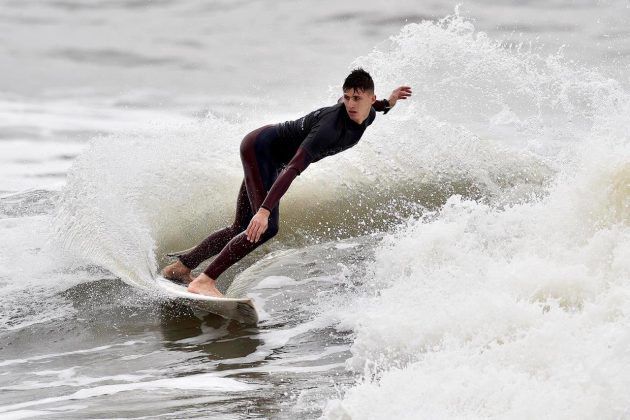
{"x": 272, "y": 157}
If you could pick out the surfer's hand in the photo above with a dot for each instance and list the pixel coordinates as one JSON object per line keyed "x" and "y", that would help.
{"x": 258, "y": 225}
{"x": 402, "y": 92}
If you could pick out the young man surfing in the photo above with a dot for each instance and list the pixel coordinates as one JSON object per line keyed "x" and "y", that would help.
{"x": 272, "y": 157}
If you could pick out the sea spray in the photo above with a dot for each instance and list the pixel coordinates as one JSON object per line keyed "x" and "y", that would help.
{"x": 127, "y": 196}
{"x": 504, "y": 311}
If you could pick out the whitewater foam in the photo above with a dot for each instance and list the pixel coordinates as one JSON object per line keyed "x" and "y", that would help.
{"x": 510, "y": 311}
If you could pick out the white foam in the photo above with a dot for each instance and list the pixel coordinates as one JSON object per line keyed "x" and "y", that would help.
{"x": 72, "y": 381}
{"x": 346, "y": 245}
{"x": 275, "y": 282}
{"x": 24, "y": 414}
{"x": 97, "y": 349}
{"x": 500, "y": 308}
{"x": 517, "y": 311}
{"x": 206, "y": 382}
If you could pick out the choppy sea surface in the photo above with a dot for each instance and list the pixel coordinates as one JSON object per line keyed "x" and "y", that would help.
{"x": 469, "y": 258}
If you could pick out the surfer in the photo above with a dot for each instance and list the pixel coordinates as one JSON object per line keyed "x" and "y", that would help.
{"x": 272, "y": 157}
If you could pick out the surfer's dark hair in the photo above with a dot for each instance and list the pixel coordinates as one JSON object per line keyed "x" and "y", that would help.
{"x": 359, "y": 79}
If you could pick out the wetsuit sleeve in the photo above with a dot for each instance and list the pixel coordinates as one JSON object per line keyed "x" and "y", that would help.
{"x": 297, "y": 165}
{"x": 382, "y": 106}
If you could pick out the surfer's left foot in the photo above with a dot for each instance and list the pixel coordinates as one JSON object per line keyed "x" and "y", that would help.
{"x": 204, "y": 285}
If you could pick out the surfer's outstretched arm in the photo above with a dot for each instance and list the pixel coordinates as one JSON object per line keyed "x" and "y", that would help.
{"x": 401, "y": 92}
{"x": 384, "y": 105}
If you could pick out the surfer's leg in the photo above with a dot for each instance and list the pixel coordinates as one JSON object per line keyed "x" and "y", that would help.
{"x": 257, "y": 166}
{"x": 180, "y": 270}
{"x": 216, "y": 241}
{"x": 234, "y": 251}
{"x": 240, "y": 246}
{"x": 260, "y": 174}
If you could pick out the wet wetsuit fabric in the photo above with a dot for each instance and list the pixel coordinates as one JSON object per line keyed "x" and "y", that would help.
{"x": 231, "y": 243}
{"x": 272, "y": 157}
{"x": 324, "y": 132}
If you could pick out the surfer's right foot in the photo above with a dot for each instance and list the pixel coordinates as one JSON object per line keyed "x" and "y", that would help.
{"x": 178, "y": 272}
{"x": 204, "y": 285}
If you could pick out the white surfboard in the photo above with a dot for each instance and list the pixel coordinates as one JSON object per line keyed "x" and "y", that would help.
{"x": 239, "y": 309}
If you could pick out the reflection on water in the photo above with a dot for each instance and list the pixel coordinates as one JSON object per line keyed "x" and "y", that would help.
{"x": 185, "y": 329}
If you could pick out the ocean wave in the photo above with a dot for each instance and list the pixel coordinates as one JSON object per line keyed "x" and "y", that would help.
{"x": 510, "y": 311}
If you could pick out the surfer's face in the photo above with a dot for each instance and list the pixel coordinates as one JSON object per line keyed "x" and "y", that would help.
{"x": 358, "y": 103}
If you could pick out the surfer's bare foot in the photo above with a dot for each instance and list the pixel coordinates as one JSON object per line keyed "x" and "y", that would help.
{"x": 177, "y": 271}
{"x": 204, "y": 285}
